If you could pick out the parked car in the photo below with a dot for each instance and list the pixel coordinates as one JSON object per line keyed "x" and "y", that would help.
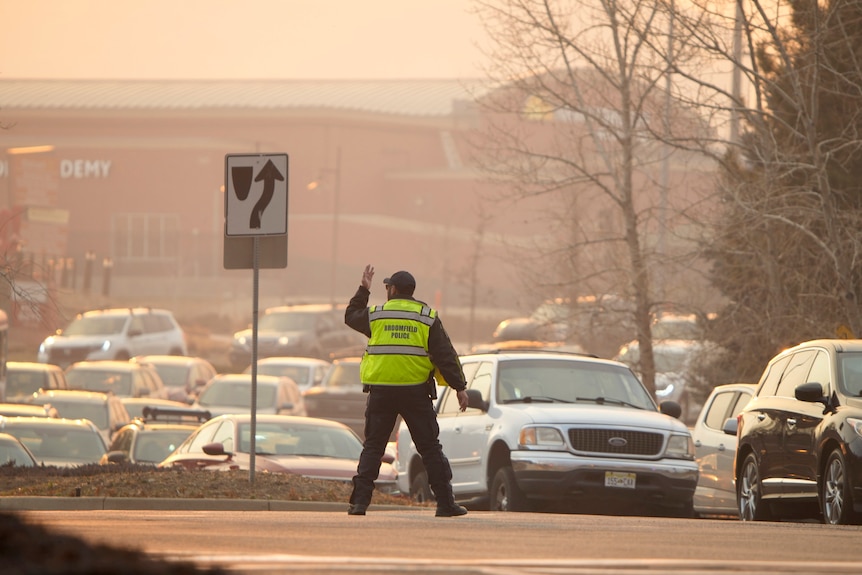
{"x": 13, "y": 452}
{"x": 119, "y": 333}
{"x": 305, "y": 446}
{"x": 800, "y": 437}
{"x": 561, "y": 431}
{"x": 153, "y": 436}
{"x": 27, "y": 410}
{"x": 105, "y": 410}
{"x": 183, "y": 376}
{"x": 231, "y": 393}
{"x": 122, "y": 378}
{"x": 57, "y": 442}
{"x": 24, "y": 378}
{"x": 676, "y": 376}
{"x": 714, "y": 448}
{"x": 305, "y": 371}
{"x": 339, "y": 396}
{"x": 311, "y": 330}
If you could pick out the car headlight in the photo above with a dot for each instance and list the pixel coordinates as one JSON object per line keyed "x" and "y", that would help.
{"x": 680, "y": 447}
{"x": 283, "y": 340}
{"x": 241, "y": 341}
{"x": 106, "y": 345}
{"x": 548, "y": 438}
{"x": 856, "y": 424}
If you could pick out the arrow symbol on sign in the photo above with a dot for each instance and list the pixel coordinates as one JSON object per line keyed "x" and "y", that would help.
{"x": 269, "y": 174}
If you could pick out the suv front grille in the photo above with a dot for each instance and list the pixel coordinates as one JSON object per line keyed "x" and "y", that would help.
{"x": 609, "y": 441}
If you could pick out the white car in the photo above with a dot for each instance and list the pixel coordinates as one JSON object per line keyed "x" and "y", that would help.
{"x": 715, "y": 448}
{"x": 559, "y": 431}
{"x": 307, "y": 372}
{"x": 119, "y": 333}
{"x": 230, "y": 393}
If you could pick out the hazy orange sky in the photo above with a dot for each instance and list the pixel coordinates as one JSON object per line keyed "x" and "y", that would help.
{"x": 195, "y": 39}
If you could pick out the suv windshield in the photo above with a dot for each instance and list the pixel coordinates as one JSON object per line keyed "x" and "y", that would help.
{"x": 293, "y": 321}
{"x": 96, "y": 325}
{"x": 119, "y": 384}
{"x": 528, "y": 380}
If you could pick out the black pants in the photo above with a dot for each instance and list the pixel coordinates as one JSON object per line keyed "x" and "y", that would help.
{"x": 385, "y": 403}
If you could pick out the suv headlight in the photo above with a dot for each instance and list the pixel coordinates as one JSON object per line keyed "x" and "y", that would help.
{"x": 548, "y": 438}
{"x": 106, "y": 345}
{"x": 283, "y": 340}
{"x": 680, "y": 447}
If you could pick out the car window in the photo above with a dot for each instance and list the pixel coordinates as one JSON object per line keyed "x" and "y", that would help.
{"x": 481, "y": 382}
{"x": 796, "y": 373}
{"x": 224, "y": 435}
{"x": 850, "y": 368}
{"x": 137, "y": 325}
{"x": 742, "y": 399}
{"x": 123, "y": 441}
{"x": 821, "y": 371}
{"x": 202, "y": 436}
{"x": 718, "y": 410}
{"x": 770, "y": 379}
{"x": 95, "y": 325}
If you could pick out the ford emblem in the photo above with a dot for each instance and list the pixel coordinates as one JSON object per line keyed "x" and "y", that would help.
{"x": 617, "y": 442}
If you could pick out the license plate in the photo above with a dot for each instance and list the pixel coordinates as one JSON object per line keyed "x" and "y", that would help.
{"x": 618, "y": 479}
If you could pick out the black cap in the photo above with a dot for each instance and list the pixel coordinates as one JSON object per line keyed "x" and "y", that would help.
{"x": 403, "y": 282}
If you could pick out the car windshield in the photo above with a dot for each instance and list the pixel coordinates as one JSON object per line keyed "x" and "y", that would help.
{"x": 60, "y": 443}
{"x": 96, "y": 326}
{"x": 343, "y": 375}
{"x": 850, "y": 373}
{"x": 557, "y": 380}
{"x": 95, "y": 412}
{"x": 155, "y": 446}
{"x": 297, "y": 373}
{"x": 283, "y": 438}
{"x": 289, "y": 321}
{"x": 11, "y": 453}
{"x": 668, "y": 359}
{"x": 118, "y": 383}
{"x": 23, "y": 383}
{"x": 173, "y": 375}
{"x": 228, "y": 393}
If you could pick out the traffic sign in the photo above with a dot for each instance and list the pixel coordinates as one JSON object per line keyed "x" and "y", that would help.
{"x": 255, "y": 194}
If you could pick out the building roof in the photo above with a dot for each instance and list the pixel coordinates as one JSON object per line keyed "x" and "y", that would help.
{"x": 398, "y": 97}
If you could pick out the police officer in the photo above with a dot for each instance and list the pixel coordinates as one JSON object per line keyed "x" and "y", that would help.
{"x": 406, "y": 343}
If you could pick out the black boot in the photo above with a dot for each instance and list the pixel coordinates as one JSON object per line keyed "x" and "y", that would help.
{"x": 446, "y": 506}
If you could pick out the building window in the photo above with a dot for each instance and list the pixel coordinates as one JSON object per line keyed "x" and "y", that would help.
{"x": 145, "y": 237}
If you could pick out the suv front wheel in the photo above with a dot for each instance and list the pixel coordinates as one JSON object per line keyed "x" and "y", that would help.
{"x": 749, "y": 495}
{"x": 835, "y": 496}
{"x": 505, "y": 493}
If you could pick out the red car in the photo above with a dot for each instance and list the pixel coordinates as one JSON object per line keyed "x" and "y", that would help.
{"x": 307, "y": 446}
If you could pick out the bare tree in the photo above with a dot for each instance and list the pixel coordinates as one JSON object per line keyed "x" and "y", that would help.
{"x": 578, "y": 121}
{"x": 787, "y": 244}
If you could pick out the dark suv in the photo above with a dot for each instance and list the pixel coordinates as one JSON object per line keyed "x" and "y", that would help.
{"x": 311, "y": 330}
{"x": 800, "y": 436}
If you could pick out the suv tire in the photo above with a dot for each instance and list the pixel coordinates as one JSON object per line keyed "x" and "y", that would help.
{"x": 505, "y": 493}
{"x": 836, "y": 500}
{"x": 749, "y": 492}
{"x": 420, "y": 491}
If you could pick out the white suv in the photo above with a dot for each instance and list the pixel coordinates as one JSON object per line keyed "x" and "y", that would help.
{"x": 558, "y": 430}
{"x": 119, "y": 333}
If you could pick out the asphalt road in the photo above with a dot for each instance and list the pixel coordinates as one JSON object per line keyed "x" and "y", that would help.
{"x": 413, "y": 540}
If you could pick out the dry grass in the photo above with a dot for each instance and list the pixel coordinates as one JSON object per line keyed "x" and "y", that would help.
{"x": 146, "y": 481}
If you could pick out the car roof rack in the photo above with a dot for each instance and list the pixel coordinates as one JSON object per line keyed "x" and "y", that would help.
{"x": 152, "y": 413}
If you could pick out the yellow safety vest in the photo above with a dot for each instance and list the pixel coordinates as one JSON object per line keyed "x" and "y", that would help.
{"x": 397, "y": 352}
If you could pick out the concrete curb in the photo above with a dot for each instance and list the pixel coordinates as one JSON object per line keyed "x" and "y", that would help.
{"x": 166, "y": 504}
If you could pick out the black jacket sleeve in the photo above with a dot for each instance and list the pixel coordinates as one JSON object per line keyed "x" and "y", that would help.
{"x": 356, "y": 314}
{"x": 444, "y": 357}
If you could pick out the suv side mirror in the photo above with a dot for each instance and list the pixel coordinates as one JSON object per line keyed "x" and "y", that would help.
{"x": 670, "y": 408}
{"x": 812, "y": 392}
{"x": 474, "y": 400}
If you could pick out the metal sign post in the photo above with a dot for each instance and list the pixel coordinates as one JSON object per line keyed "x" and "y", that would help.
{"x": 255, "y": 208}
